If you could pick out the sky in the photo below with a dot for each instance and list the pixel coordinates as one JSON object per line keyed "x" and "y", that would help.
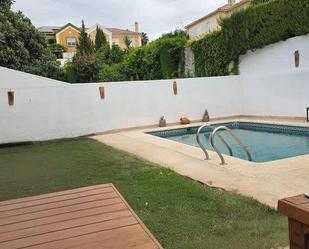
{"x": 155, "y": 17}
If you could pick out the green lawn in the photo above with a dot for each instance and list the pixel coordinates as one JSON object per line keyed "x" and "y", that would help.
{"x": 181, "y": 213}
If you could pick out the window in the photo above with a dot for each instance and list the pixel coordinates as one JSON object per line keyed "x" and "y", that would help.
{"x": 194, "y": 32}
{"x": 71, "y": 42}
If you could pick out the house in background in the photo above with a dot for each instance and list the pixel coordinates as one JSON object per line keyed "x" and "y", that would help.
{"x": 68, "y": 36}
{"x": 211, "y": 22}
{"x": 92, "y": 32}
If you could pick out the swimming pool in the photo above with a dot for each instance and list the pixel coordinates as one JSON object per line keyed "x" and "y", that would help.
{"x": 266, "y": 142}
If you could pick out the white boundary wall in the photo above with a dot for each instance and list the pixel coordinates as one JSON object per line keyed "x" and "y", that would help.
{"x": 46, "y": 109}
{"x": 276, "y": 58}
{"x": 283, "y": 94}
{"x": 57, "y": 111}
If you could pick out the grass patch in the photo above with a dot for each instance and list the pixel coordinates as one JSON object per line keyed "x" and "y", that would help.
{"x": 182, "y": 214}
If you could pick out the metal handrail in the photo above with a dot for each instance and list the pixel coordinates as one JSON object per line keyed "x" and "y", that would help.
{"x": 234, "y": 136}
{"x": 203, "y": 147}
{"x": 226, "y": 144}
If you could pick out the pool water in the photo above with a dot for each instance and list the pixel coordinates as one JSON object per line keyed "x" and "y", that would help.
{"x": 265, "y": 142}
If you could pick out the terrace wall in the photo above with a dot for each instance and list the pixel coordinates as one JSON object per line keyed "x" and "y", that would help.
{"x": 45, "y": 109}
{"x": 277, "y": 57}
{"x": 59, "y": 111}
{"x": 283, "y": 94}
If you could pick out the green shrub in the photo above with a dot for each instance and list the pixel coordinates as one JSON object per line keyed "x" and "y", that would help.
{"x": 143, "y": 63}
{"x": 46, "y": 66}
{"x": 107, "y": 55}
{"x": 86, "y": 68}
{"x": 211, "y": 55}
{"x": 161, "y": 59}
{"x": 111, "y": 73}
{"x": 57, "y": 49}
{"x": 255, "y": 27}
{"x": 259, "y": 1}
{"x": 172, "y": 57}
{"x": 70, "y": 73}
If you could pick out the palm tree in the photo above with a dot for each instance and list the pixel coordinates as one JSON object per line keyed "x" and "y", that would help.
{"x": 127, "y": 42}
{"x": 145, "y": 39}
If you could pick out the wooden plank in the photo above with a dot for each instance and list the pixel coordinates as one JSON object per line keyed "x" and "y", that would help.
{"x": 124, "y": 237}
{"x": 296, "y": 233}
{"x": 297, "y": 200}
{"x": 58, "y": 211}
{"x": 54, "y": 205}
{"x": 56, "y": 199}
{"x": 305, "y": 206}
{"x": 64, "y": 225}
{"x": 293, "y": 211}
{"x": 50, "y": 195}
{"x": 68, "y": 233}
{"x": 93, "y": 217}
{"x": 51, "y": 220}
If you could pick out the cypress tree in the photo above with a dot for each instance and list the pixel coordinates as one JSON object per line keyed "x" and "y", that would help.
{"x": 100, "y": 39}
{"x": 85, "y": 45}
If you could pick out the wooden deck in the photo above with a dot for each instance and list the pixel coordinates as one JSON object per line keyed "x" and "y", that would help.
{"x": 88, "y": 218}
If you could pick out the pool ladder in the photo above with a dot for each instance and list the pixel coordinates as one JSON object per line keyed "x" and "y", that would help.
{"x": 211, "y": 140}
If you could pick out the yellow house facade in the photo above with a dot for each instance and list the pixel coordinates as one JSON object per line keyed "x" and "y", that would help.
{"x": 117, "y": 36}
{"x": 211, "y": 22}
{"x": 68, "y": 36}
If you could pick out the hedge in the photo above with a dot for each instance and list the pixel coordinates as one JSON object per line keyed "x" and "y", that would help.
{"x": 161, "y": 59}
{"x": 254, "y": 27}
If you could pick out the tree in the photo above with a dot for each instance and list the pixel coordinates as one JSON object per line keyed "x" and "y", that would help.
{"x": 145, "y": 39}
{"x": 111, "y": 73}
{"x": 5, "y": 3}
{"x": 57, "y": 49}
{"x": 46, "y": 67}
{"x": 70, "y": 72}
{"x": 85, "y": 67}
{"x": 100, "y": 39}
{"x": 177, "y": 33}
{"x": 22, "y": 46}
{"x": 85, "y": 45}
{"x": 127, "y": 42}
{"x": 254, "y": 2}
{"x": 107, "y": 55}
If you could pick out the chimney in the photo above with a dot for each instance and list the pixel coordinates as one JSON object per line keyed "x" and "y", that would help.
{"x": 136, "y": 27}
{"x": 232, "y": 2}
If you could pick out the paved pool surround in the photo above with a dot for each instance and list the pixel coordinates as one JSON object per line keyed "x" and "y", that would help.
{"x": 266, "y": 182}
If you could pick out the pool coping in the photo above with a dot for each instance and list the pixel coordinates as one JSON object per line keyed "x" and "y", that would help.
{"x": 267, "y": 182}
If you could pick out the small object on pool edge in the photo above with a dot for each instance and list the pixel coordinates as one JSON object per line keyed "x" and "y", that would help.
{"x": 206, "y": 116}
{"x": 184, "y": 120}
{"x": 162, "y": 122}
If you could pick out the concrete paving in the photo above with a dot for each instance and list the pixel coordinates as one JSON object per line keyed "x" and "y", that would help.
{"x": 265, "y": 182}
